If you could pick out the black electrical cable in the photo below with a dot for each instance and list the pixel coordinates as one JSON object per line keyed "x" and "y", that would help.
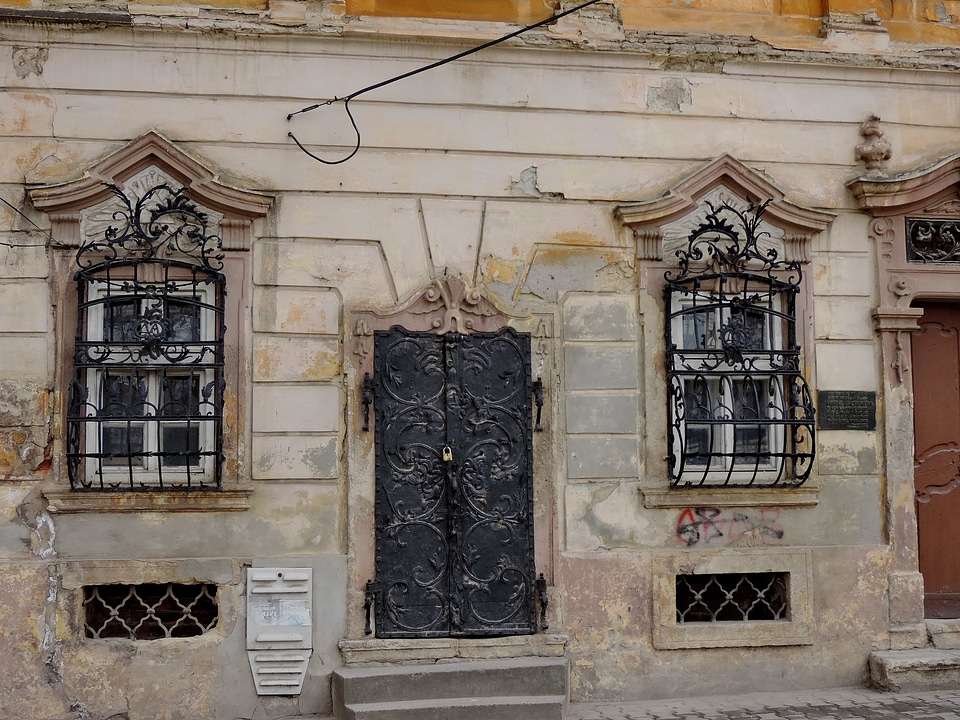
{"x": 432, "y": 66}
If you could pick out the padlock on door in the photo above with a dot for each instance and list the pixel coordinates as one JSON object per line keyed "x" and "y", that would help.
{"x": 447, "y": 454}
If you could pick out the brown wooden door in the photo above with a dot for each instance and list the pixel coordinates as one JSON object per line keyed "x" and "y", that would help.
{"x": 936, "y": 389}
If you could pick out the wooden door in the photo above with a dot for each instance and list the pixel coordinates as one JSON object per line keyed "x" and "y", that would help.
{"x": 936, "y": 389}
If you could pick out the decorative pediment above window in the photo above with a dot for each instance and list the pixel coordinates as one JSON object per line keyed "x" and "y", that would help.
{"x": 661, "y": 227}
{"x": 82, "y": 209}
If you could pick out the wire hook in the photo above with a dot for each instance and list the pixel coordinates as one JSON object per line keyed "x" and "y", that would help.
{"x": 346, "y": 106}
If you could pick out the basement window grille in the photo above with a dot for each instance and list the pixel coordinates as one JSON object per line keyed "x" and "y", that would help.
{"x": 732, "y": 597}
{"x": 149, "y": 611}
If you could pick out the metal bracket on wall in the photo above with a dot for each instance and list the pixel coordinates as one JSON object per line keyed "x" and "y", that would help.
{"x": 544, "y": 601}
{"x": 373, "y": 588}
{"x": 368, "y": 393}
{"x": 538, "y": 398}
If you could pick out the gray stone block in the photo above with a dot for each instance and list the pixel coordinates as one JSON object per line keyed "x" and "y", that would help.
{"x": 600, "y": 317}
{"x": 598, "y": 456}
{"x": 602, "y": 413}
{"x": 601, "y": 367}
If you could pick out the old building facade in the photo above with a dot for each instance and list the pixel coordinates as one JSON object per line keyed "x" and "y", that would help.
{"x": 626, "y": 346}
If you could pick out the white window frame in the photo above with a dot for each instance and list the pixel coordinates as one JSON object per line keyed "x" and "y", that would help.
{"x": 774, "y": 468}
{"x": 147, "y": 470}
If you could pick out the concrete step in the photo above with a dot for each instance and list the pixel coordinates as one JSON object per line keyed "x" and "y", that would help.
{"x": 915, "y": 670}
{"x": 944, "y": 634}
{"x": 541, "y": 707}
{"x": 476, "y": 678}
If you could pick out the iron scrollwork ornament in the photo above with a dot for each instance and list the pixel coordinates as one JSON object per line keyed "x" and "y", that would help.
{"x": 162, "y": 223}
{"x": 740, "y": 411}
{"x": 146, "y": 405}
{"x": 932, "y": 240}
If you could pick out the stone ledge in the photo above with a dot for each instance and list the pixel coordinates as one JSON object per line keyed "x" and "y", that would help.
{"x": 730, "y": 497}
{"x": 228, "y": 500}
{"x": 380, "y": 651}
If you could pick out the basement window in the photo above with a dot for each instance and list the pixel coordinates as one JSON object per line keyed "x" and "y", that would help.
{"x": 149, "y": 611}
{"x": 733, "y": 597}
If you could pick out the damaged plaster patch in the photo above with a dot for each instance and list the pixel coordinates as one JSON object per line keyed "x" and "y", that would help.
{"x": 526, "y": 186}
{"x": 672, "y": 95}
{"x": 29, "y": 60}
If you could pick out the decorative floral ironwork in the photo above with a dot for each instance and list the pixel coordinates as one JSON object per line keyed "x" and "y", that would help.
{"x": 454, "y": 503}
{"x": 740, "y": 412}
{"x": 162, "y": 223}
{"x": 931, "y": 240}
{"x": 146, "y": 401}
{"x": 728, "y": 242}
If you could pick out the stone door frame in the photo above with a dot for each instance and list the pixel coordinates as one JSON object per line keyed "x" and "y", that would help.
{"x": 932, "y": 191}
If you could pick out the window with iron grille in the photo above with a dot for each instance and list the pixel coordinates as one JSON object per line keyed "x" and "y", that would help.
{"x": 149, "y": 611}
{"x": 740, "y": 411}
{"x": 146, "y": 399}
{"x": 732, "y": 597}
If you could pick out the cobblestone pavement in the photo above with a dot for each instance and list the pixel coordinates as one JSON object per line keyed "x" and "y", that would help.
{"x": 835, "y": 704}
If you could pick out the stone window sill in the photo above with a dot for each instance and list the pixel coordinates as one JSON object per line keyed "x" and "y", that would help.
{"x": 730, "y": 497}
{"x": 234, "y": 499}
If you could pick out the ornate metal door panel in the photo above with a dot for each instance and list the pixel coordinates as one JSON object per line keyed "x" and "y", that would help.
{"x": 454, "y": 502}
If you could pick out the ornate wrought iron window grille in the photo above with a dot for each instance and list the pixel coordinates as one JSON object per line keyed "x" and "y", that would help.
{"x": 740, "y": 411}
{"x": 733, "y": 597}
{"x": 149, "y": 611}
{"x": 145, "y": 405}
{"x": 933, "y": 240}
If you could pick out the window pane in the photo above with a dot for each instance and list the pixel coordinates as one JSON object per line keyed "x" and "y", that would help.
{"x": 697, "y": 445}
{"x": 181, "y": 440}
{"x": 184, "y": 321}
{"x": 122, "y": 395}
{"x": 699, "y": 330}
{"x": 180, "y": 395}
{"x": 745, "y": 329}
{"x": 120, "y": 320}
{"x": 121, "y": 442}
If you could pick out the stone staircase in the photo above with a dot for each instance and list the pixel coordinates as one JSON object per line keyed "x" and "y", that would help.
{"x": 532, "y": 688}
{"x": 935, "y": 667}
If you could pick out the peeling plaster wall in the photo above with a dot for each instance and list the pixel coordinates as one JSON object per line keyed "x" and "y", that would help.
{"x": 504, "y": 169}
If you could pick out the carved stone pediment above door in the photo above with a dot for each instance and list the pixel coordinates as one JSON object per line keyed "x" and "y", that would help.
{"x": 447, "y": 305}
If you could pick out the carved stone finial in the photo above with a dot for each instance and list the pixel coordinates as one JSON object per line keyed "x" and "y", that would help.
{"x": 874, "y": 149}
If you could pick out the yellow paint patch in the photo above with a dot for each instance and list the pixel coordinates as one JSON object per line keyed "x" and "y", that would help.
{"x": 501, "y": 271}
{"x": 325, "y": 366}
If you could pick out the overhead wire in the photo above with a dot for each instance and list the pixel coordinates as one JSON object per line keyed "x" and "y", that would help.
{"x": 53, "y": 241}
{"x": 403, "y": 76}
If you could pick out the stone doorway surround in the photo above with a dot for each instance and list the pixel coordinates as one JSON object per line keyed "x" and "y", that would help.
{"x": 448, "y": 303}
{"x": 930, "y": 192}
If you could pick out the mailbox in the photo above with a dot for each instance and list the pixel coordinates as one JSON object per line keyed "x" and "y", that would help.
{"x": 279, "y": 628}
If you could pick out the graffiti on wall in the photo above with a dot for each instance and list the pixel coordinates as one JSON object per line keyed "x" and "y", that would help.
{"x": 716, "y": 526}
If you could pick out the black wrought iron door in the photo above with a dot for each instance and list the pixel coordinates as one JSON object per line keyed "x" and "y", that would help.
{"x": 454, "y": 491}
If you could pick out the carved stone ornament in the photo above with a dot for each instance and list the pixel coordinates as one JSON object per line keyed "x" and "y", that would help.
{"x": 661, "y": 226}
{"x": 874, "y": 149}
{"x": 448, "y": 304}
